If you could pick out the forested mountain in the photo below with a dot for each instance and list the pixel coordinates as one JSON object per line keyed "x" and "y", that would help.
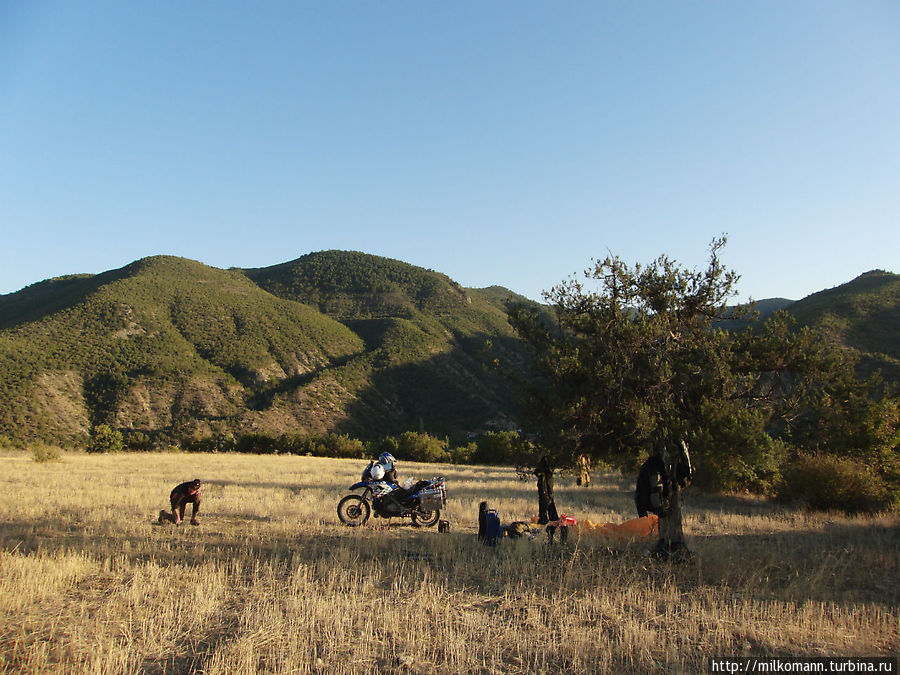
{"x": 170, "y": 347}
{"x": 429, "y": 342}
{"x": 333, "y": 341}
{"x": 864, "y": 314}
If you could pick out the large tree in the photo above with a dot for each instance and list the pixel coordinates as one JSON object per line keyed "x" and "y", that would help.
{"x": 636, "y": 356}
{"x": 631, "y": 361}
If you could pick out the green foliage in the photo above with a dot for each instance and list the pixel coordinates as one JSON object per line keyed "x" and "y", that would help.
{"x": 44, "y": 452}
{"x": 324, "y": 445}
{"x": 138, "y": 441}
{"x": 105, "y": 439}
{"x": 416, "y": 447}
{"x": 350, "y": 284}
{"x": 103, "y": 393}
{"x": 737, "y": 453}
{"x": 318, "y": 445}
{"x": 863, "y": 314}
{"x": 642, "y": 360}
{"x": 463, "y": 454}
{"x": 505, "y": 447}
{"x": 632, "y": 363}
{"x": 174, "y": 348}
{"x": 827, "y": 482}
{"x": 849, "y": 418}
{"x": 257, "y": 444}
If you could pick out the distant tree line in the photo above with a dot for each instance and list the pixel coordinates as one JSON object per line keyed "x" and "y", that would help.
{"x": 500, "y": 448}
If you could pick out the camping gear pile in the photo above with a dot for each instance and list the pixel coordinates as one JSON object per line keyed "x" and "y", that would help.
{"x": 490, "y": 531}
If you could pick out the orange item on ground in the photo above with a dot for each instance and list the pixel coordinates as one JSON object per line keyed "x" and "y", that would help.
{"x": 637, "y": 528}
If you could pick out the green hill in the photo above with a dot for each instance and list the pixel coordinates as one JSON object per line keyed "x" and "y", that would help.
{"x": 502, "y": 297}
{"x": 742, "y": 316}
{"x": 172, "y": 348}
{"x": 428, "y": 341}
{"x": 769, "y": 306}
{"x": 864, "y": 314}
{"x": 333, "y": 341}
{"x": 164, "y": 344}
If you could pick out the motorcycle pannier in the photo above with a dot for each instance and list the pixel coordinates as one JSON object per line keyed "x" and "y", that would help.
{"x": 430, "y": 500}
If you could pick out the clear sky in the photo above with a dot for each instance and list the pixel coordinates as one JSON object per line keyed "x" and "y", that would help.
{"x": 497, "y": 142}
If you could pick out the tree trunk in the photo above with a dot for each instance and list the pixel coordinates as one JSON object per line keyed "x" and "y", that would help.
{"x": 670, "y": 529}
{"x": 671, "y": 544}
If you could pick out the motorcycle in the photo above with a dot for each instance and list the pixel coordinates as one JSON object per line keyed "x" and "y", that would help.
{"x": 421, "y": 502}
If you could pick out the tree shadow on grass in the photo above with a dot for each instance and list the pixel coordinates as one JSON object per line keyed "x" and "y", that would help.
{"x": 845, "y": 564}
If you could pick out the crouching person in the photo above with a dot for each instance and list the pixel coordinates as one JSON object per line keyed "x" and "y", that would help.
{"x": 181, "y": 496}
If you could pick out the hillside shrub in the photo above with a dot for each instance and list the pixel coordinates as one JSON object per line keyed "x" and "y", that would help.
{"x": 328, "y": 445}
{"x": 463, "y": 454}
{"x": 257, "y": 444}
{"x": 827, "y": 482}
{"x": 44, "y": 452}
{"x": 505, "y": 447}
{"x": 138, "y": 441}
{"x": 416, "y": 447}
{"x": 213, "y": 443}
{"x": 105, "y": 439}
{"x": 733, "y": 453}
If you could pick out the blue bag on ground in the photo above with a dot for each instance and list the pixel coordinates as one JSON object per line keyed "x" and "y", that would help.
{"x": 489, "y": 530}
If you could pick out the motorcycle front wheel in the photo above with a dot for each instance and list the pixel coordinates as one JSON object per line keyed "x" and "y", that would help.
{"x": 426, "y": 518}
{"x": 353, "y": 510}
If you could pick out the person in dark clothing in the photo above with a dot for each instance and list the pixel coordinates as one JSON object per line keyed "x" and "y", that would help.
{"x": 180, "y": 497}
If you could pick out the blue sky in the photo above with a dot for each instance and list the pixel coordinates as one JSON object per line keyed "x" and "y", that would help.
{"x": 500, "y": 143}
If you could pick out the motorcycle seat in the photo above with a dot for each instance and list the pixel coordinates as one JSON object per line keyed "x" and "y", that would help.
{"x": 403, "y": 493}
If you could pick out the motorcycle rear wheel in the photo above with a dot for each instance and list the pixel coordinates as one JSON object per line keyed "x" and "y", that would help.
{"x": 353, "y": 510}
{"x": 426, "y": 518}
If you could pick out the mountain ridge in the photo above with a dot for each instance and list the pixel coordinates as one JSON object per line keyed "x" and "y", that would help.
{"x": 332, "y": 341}
{"x": 169, "y": 346}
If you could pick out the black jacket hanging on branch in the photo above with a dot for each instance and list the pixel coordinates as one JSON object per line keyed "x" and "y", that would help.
{"x": 547, "y": 513}
{"x": 678, "y": 474}
{"x": 656, "y": 482}
{"x": 546, "y": 506}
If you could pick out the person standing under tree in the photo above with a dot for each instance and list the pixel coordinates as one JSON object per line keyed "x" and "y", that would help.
{"x": 584, "y": 470}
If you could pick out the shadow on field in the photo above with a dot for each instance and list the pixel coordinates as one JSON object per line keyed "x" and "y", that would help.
{"x": 294, "y": 488}
{"x": 844, "y": 564}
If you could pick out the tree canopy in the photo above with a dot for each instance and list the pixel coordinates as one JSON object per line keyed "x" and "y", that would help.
{"x": 636, "y": 355}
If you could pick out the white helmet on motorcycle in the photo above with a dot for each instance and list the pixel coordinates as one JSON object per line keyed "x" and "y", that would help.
{"x": 387, "y": 460}
{"x": 376, "y": 472}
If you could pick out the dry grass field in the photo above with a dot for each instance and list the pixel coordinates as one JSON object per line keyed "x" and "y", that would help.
{"x": 270, "y": 582}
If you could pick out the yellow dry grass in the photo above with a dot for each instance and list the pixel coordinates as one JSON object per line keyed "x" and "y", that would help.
{"x": 270, "y": 582}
